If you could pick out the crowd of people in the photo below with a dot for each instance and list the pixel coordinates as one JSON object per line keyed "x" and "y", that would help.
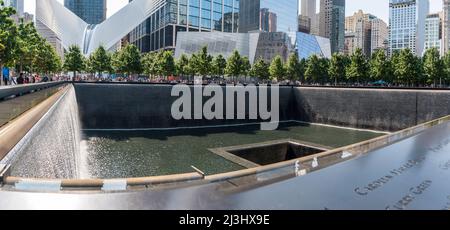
{"x": 24, "y": 79}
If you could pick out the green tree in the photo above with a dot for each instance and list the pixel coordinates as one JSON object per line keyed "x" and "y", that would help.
{"x": 74, "y": 61}
{"x": 234, "y": 63}
{"x": 245, "y": 66}
{"x": 100, "y": 61}
{"x": 167, "y": 63}
{"x": 8, "y": 35}
{"x": 324, "y": 66}
{"x": 182, "y": 65}
{"x": 276, "y": 69}
{"x": 260, "y": 69}
{"x": 447, "y": 67}
{"x": 218, "y": 65}
{"x": 358, "y": 69}
{"x": 150, "y": 64}
{"x": 47, "y": 60}
{"x": 192, "y": 65}
{"x": 336, "y": 69}
{"x": 433, "y": 66}
{"x": 380, "y": 66}
{"x": 294, "y": 68}
{"x": 127, "y": 60}
{"x": 202, "y": 62}
{"x": 28, "y": 44}
{"x": 404, "y": 67}
{"x": 419, "y": 75}
{"x": 313, "y": 69}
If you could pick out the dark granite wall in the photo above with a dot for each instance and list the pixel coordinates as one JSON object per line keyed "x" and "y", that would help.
{"x": 113, "y": 106}
{"x": 377, "y": 109}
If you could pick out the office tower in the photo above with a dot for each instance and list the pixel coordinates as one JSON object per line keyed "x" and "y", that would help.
{"x": 350, "y": 43}
{"x": 91, "y": 11}
{"x": 446, "y": 26}
{"x": 407, "y": 25}
{"x": 17, "y": 4}
{"x": 308, "y": 19}
{"x": 315, "y": 27}
{"x": 332, "y": 23}
{"x": 433, "y": 32}
{"x": 268, "y": 20}
{"x": 285, "y": 13}
{"x": 364, "y": 31}
{"x": 160, "y": 30}
{"x": 304, "y": 24}
{"x": 379, "y": 35}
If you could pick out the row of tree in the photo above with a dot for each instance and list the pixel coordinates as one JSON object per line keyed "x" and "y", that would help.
{"x": 23, "y": 48}
{"x": 402, "y": 68}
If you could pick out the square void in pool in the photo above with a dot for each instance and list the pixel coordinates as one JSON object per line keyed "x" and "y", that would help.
{"x": 268, "y": 152}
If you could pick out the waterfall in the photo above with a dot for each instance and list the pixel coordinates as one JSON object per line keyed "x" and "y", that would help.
{"x": 52, "y": 148}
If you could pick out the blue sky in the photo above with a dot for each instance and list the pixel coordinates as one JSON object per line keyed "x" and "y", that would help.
{"x": 379, "y": 8}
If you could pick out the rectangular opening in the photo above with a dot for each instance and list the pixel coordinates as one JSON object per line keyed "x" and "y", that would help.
{"x": 270, "y": 154}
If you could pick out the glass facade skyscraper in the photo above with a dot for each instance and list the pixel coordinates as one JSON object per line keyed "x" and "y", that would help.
{"x": 91, "y": 11}
{"x": 309, "y": 45}
{"x": 433, "y": 32}
{"x": 269, "y": 16}
{"x": 332, "y": 23}
{"x": 160, "y": 30}
{"x": 407, "y": 25}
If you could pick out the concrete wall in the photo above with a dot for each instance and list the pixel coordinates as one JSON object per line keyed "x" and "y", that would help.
{"x": 113, "y": 106}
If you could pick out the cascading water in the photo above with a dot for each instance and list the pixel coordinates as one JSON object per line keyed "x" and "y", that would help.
{"x": 52, "y": 148}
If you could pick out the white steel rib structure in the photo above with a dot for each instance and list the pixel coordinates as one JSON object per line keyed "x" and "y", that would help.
{"x": 72, "y": 30}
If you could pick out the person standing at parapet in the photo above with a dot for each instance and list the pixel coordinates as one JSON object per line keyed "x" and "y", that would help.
{"x": 5, "y": 75}
{"x": 20, "y": 79}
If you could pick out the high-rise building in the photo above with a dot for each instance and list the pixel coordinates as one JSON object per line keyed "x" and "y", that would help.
{"x": 446, "y": 26}
{"x": 160, "y": 30}
{"x": 268, "y": 20}
{"x": 332, "y": 23}
{"x": 304, "y": 24}
{"x": 308, "y": 8}
{"x": 349, "y": 43}
{"x": 17, "y": 4}
{"x": 285, "y": 11}
{"x": 433, "y": 32}
{"x": 360, "y": 25}
{"x": 91, "y": 11}
{"x": 379, "y": 35}
{"x": 407, "y": 25}
{"x": 366, "y": 32}
{"x": 308, "y": 19}
{"x": 315, "y": 27}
